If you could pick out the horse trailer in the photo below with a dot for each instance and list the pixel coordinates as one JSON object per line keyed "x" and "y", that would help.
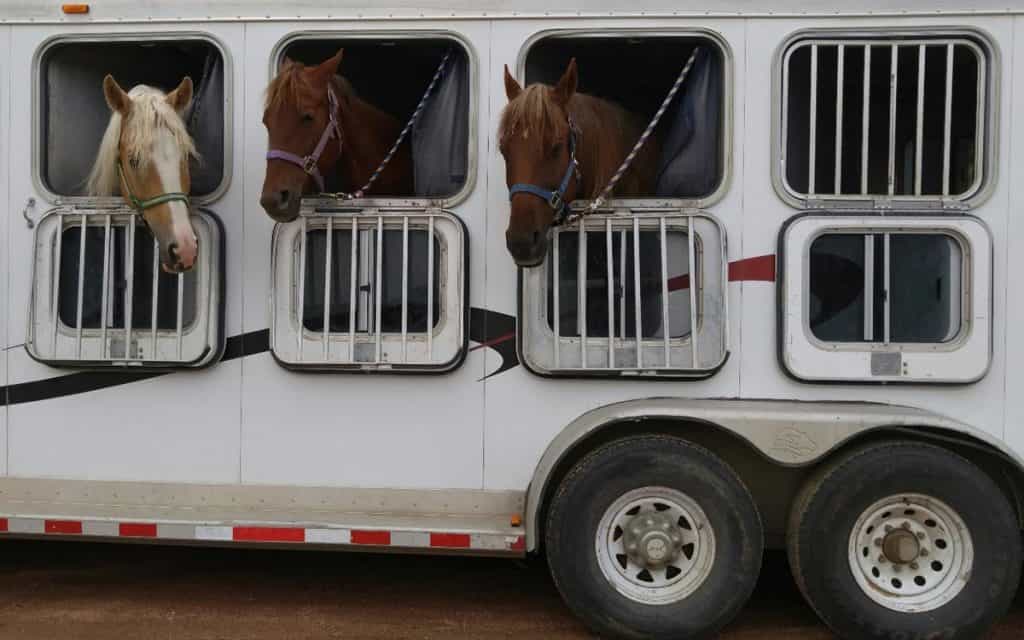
{"x": 794, "y": 334}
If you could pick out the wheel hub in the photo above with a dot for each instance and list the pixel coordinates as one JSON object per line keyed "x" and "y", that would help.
{"x": 900, "y": 546}
{"x": 653, "y": 540}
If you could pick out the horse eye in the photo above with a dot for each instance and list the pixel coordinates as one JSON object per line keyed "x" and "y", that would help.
{"x": 556, "y": 148}
{"x": 307, "y": 117}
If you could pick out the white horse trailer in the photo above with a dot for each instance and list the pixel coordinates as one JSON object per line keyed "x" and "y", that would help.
{"x": 803, "y": 339}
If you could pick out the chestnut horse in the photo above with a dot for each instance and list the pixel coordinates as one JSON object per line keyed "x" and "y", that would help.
{"x": 544, "y": 132}
{"x": 144, "y": 155}
{"x": 317, "y": 127}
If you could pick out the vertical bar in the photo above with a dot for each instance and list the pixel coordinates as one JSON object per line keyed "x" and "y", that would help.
{"x": 104, "y": 295}
{"x": 130, "y": 291}
{"x": 430, "y": 288}
{"x": 665, "y": 328}
{"x": 691, "y": 259}
{"x": 581, "y": 260}
{"x": 869, "y": 288}
{"x": 352, "y": 291}
{"x": 865, "y": 121}
{"x": 81, "y": 284}
{"x": 894, "y": 68}
{"x": 378, "y": 300}
{"x": 813, "y": 136}
{"x": 919, "y": 134}
{"x": 405, "y": 287}
{"x": 302, "y": 286}
{"x": 886, "y": 296}
{"x": 948, "y": 122}
{"x": 55, "y": 303}
{"x": 610, "y": 262}
{"x": 841, "y": 53}
{"x": 328, "y": 268}
{"x": 181, "y": 312}
{"x": 622, "y": 284}
{"x": 154, "y": 302}
{"x": 636, "y": 293}
{"x": 555, "y": 277}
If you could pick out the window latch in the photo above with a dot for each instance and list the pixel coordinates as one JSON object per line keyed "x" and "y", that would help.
{"x": 29, "y": 204}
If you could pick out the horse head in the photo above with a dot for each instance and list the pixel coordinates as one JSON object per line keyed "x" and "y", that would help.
{"x": 300, "y": 115}
{"x": 538, "y": 140}
{"x": 145, "y": 154}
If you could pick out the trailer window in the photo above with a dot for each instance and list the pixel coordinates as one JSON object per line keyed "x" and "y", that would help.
{"x": 392, "y": 73}
{"x": 74, "y": 114}
{"x": 374, "y": 291}
{"x": 101, "y": 299}
{"x": 866, "y": 117}
{"x": 636, "y": 70}
{"x": 639, "y": 295}
{"x": 905, "y": 297}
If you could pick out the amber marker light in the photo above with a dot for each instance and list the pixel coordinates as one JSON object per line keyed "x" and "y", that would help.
{"x": 74, "y": 9}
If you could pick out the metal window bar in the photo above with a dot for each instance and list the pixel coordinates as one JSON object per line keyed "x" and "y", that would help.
{"x": 130, "y": 292}
{"x": 865, "y": 125}
{"x": 303, "y": 238}
{"x": 352, "y": 311}
{"x": 430, "y": 288}
{"x": 81, "y": 284}
{"x": 581, "y": 288}
{"x": 887, "y": 273}
{"x": 948, "y": 121}
{"x": 840, "y": 59}
{"x": 813, "y": 135}
{"x": 156, "y": 295}
{"x": 378, "y": 298}
{"x": 869, "y": 288}
{"x": 666, "y": 328}
{"x": 893, "y": 78}
{"x": 610, "y": 260}
{"x": 328, "y": 264}
{"x": 691, "y": 254}
{"x": 105, "y": 288}
{"x": 405, "y": 289}
{"x": 637, "y": 303}
{"x": 919, "y": 133}
{"x": 55, "y": 302}
{"x": 556, "y": 265}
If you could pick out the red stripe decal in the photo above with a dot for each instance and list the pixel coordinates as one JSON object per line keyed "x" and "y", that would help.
{"x": 450, "y": 540}
{"x": 62, "y": 526}
{"x": 136, "y": 530}
{"x": 519, "y": 544}
{"x": 3, "y": 525}
{"x": 679, "y": 282}
{"x": 371, "y": 537}
{"x": 760, "y": 268}
{"x": 498, "y": 340}
{"x": 268, "y": 534}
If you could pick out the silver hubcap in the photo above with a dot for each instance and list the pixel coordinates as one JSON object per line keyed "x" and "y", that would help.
{"x": 655, "y": 545}
{"x": 911, "y": 553}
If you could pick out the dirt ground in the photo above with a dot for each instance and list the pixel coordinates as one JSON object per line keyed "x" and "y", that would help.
{"x": 92, "y": 591}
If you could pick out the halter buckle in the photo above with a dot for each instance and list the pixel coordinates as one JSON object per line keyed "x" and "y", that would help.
{"x": 309, "y": 164}
{"x": 556, "y": 201}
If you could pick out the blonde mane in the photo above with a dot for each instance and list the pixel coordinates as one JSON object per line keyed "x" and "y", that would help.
{"x": 149, "y": 115}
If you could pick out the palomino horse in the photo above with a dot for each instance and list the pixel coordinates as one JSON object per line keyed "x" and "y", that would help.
{"x": 317, "y": 126}
{"x": 145, "y": 154}
{"x": 560, "y": 145}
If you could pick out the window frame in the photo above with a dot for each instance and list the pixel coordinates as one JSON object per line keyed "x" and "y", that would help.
{"x": 964, "y": 359}
{"x": 472, "y": 157}
{"x": 286, "y": 327}
{"x": 988, "y": 117}
{"x": 535, "y": 334}
{"x": 727, "y": 103}
{"x": 113, "y": 202}
{"x": 204, "y": 337}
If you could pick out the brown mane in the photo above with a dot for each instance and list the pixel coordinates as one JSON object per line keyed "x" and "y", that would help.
{"x": 290, "y": 84}
{"x": 607, "y": 132}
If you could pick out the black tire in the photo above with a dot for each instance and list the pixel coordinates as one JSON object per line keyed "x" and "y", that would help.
{"x": 612, "y": 471}
{"x": 827, "y": 510}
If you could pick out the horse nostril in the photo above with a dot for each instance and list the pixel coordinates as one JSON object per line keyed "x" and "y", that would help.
{"x": 284, "y": 197}
{"x": 536, "y": 237}
{"x": 172, "y": 252}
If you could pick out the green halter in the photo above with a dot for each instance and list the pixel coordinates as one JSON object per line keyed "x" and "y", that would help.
{"x": 141, "y": 205}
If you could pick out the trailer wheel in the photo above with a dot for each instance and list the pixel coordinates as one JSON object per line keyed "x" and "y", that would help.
{"x": 905, "y": 540}
{"x": 653, "y": 537}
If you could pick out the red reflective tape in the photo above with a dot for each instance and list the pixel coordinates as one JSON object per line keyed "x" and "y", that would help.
{"x": 136, "y": 530}
{"x": 3, "y": 525}
{"x": 519, "y": 544}
{"x": 757, "y": 268}
{"x": 495, "y": 341}
{"x": 450, "y": 540}
{"x": 62, "y": 526}
{"x": 679, "y": 282}
{"x": 371, "y": 537}
{"x": 268, "y": 534}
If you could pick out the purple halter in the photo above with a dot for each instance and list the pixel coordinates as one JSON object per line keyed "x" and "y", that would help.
{"x": 309, "y": 164}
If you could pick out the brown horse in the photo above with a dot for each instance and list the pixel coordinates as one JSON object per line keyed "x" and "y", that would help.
{"x": 314, "y": 117}
{"x": 535, "y": 139}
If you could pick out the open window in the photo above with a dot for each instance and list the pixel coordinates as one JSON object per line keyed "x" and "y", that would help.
{"x": 371, "y": 290}
{"x": 392, "y": 72}
{"x": 636, "y": 69}
{"x": 885, "y": 116}
{"x": 894, "y": 298}
{"x": 100, "y": 298}
{"x": 631, "y": 294}
{"x": 73, "y": 113}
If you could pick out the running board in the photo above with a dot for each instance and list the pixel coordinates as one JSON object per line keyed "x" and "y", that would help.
{"x": 436, "y": 521}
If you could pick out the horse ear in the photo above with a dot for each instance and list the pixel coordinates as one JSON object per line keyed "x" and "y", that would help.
{"x": 180, "y": 97}
{"x": 117, "y": 99}
{"x": 328, "y": 68}
{"x": 566, "y": 87}
{"x": 512, "y": 88}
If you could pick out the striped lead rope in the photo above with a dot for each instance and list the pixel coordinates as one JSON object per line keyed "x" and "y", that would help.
{"x": 401, "y": 136}
{"x": 600, "y": 200}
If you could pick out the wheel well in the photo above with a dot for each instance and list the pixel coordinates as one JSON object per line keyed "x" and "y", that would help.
{"x": 775, "y": 485}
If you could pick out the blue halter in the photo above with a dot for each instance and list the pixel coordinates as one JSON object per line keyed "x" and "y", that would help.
{"x": 556, "y": 198}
